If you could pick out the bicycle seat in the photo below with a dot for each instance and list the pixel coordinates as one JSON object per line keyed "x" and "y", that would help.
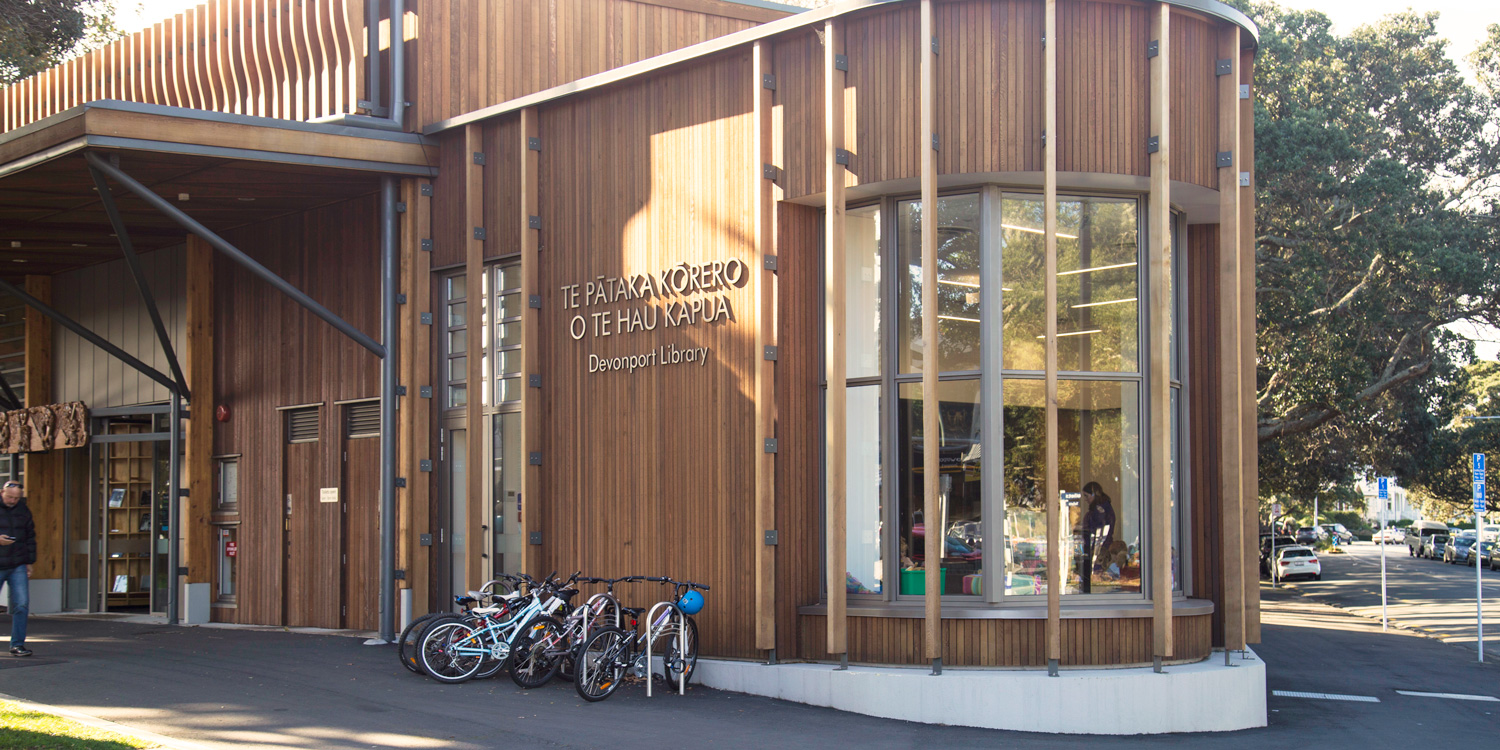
{"x": 633, "y": 611}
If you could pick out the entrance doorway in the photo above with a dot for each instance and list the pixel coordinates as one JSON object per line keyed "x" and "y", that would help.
{"x": 129, "y": 505}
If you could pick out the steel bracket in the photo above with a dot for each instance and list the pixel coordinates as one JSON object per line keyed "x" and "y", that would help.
{"x": 936, "y": 48}
{"x": 533, "y": 143}
{"x": 427, "y": 245}
{"x": 425, "y": 190}
{"x": 770, "y": 538}
{"x": 769, "y": 263}
{"x": 1226, "y": 159}
{"x": 535, "y": 381}
{"x": 479, "y": 158}
{"x": 424, "y": 391}
{"x": 770, "y": 172}
{"x": 1244, "y": 179}
{"x": 1153, "y": 144}
{"x": 937, "y": 145}
{"x": 424, "y": 465}
{"x": 1244, "y": 91}
{"x": 840, "y": 156}
{"x": 479, "y": 233}
{"x": 400, "y": 481}
{"x": 1224, "y": 67}
{"x": 400, "y": 298}
{"x": 1153, "y": 48}
{"x": 534, "y": 538}
{"x": 535, "y": 459}
{"x": 841, "y": 62}
{"x": 400, "y": 575}
{"x": 768, "y": 80}
{"x": 400, "y": 207}
{"x": 771, "y": 353}
{"x": 400, "y": 390}
{"x": 534, "y": 301}
{"x": 770, "y": 445}
{"x": 534, "y": 221}
{"x": 425, "y": 319}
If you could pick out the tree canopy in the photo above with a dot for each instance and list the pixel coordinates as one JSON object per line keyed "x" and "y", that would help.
{"x": 37, "y": 34}
{"x": 1378, "y": 183}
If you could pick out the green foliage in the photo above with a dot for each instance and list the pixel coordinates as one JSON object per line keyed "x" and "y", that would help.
{"x": 37, "y": 34}
{"x": 1377, "y": 167}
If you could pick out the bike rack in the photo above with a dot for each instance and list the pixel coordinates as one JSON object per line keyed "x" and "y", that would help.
{"x": 652, "y": 633}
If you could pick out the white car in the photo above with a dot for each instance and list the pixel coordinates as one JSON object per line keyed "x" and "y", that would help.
{"x": 1390, "y": 535}
{"x": 1490, "y": 533}
{"x": 1298, "y": 561}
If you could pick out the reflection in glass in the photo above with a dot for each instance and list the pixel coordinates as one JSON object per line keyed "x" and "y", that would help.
{"x": 457, "y": 396}
{"x": 1099, "y": 477}
{"x": 509, "y": 334}
{"x": 457, "y": 289}
{"x": 1097, "y": 251}
{"x": 863, "y": 507}
{"x": 505, "y": 492}
{"x": 959, "y": 517}
{"x": 958, "y": 258}
{"x": 510, "y": 305}
{"x": 457, "y": 314}
{"x": 458, "y": 341}
{"x": 862, "y": 285}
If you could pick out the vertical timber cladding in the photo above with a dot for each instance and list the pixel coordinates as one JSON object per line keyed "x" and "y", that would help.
{"x": 282, "y": 355}
{"x": 484, "y": 53}
{"x": 1203, "y": 399}
{"x": 647, "y": 460}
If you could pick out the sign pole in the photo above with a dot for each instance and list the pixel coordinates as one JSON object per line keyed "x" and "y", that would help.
{"x": 1479, "y": 505}
{"x": 1385, "y": 494}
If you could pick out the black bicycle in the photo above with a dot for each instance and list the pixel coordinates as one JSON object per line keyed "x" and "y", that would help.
{"x": 609, "y": 654}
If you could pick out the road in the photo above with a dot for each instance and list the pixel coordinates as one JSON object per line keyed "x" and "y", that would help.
{"x": 1426, "y": 595}
{"x": 219, "y": 688}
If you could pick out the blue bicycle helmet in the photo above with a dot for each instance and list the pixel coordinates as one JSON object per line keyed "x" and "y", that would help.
{"x": 691, "y": 602}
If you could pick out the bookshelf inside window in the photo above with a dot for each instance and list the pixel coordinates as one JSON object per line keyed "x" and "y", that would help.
{"x": 128, "y": 493}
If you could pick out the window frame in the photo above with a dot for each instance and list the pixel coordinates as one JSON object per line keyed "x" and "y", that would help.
{"x": 991, "y": 377}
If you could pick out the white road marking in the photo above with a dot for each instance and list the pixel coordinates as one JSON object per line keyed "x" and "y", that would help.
{"x": 1451, "y": 696}
{"x": 1325, "y": 696}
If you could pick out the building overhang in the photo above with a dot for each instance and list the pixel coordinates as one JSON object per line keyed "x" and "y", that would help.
{"x": 224, "y": 170}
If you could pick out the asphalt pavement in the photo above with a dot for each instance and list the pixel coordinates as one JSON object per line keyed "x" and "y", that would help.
{"x": 1430, "y": 596}
{"x": 219, "y": 688}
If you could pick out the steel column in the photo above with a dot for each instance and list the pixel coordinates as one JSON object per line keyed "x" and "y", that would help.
{"x": 174, "y": 504}
{"x": 133, "y": 261}
{"x": 238, "y": 256}
{"x": 388, "y": 324}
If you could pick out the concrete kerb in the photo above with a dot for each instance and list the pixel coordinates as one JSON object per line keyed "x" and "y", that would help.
{"x": 1204, "y": 696}
{"x": 104, "y": 724}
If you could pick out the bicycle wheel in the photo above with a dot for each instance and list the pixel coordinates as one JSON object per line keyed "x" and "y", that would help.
{"x": 442, "y": 658}
{"x": 533, "y": 660}
{"x": 681, "y": 654}
{"x": 601, "y": 664}
{"x": 408, "y": 646}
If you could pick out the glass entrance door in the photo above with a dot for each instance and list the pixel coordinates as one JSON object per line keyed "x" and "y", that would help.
{"x": 133, "y": 536}
{"x": 506, "y": 544}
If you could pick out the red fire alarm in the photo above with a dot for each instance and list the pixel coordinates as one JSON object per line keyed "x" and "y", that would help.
{"x": 221, "y": 413}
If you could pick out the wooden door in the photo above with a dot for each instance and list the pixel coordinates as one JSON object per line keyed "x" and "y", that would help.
{"x": 312, "y": 575}
{"x": 360, "y": 482}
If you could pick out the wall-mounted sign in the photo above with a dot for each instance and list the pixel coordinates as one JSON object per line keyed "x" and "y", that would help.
{"x": 231, "y": 549}
{"x": 328, "y": 495}
{"x": 683, "y": 295}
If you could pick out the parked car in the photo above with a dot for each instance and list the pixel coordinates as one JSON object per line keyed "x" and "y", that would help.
{"x": 1338, "y": 533}
{"x": 1418, "y": 534}
{"x": 1490, "y": 532}
{"x": 1298, "y": 561}
{"x": 1495, "y": 556}
{"x": 1434, "y": 547}
{"x": 1390, "y": 535}
{"x": 1485, "y": 556}
{"x": 1457, "y": 549}
{"x": 1309, "y": 535}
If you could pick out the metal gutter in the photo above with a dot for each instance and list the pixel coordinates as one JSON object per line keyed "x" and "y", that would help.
{"x": 728, "y": 42}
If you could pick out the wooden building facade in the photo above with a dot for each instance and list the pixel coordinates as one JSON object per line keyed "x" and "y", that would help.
{"x": 663, "y": 312}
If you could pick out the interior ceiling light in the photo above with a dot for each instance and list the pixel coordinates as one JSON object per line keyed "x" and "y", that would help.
{"x": 18, "y": 260}
{"x": 246, "y": 200}
{"x": 182, "y": 196}
{"x": 79, "y": 244}
{"x": 1034, "y": 230}
{"x": 15, "y": 243}
{"x": 1097, "y": 268}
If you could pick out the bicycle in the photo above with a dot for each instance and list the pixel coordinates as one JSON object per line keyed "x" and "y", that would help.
{"x": 411, "y": 635}
{"x": 604, "y": 659}
{"x": 601, "y": 610}
{"x": 455, "y": 651}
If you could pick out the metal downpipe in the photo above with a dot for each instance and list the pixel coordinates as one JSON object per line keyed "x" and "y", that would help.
{"x": 388, "y": 317}
{"x": 398, "y": 64}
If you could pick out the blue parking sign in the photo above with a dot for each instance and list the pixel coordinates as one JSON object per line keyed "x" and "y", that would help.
{"x": 1479, "y": 504}
{"x": 1479, "y": 467}
{"x": 1385, "y": 488}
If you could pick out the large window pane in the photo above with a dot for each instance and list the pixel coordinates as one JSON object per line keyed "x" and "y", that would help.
{"x": 1097, "y": 252}
{"x": 1099, "y": 476}
{"x": 863, "y": 506}
{"x": 862, "y": 287}
{"x": 959, "y": 522}
{"x": 958, "y": 258}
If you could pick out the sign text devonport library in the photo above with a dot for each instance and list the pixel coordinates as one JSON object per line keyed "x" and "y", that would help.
{"x": 669, "y": 354}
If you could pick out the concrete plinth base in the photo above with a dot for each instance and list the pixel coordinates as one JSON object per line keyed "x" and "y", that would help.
{"x": 197, "y": 601}
{"x": 1202, "y": 697}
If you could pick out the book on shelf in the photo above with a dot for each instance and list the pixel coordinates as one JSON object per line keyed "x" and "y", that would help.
{"x": 122, "y": 584}
{"x": 117, "y": 498}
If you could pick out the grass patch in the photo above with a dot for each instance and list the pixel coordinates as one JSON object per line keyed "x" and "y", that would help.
{"x": 22, "y": 729}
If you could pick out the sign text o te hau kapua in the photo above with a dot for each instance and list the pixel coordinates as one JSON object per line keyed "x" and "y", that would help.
{"x": 667, "y": 299}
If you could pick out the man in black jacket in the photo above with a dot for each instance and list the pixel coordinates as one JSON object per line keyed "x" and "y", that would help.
{"x": 17, "y": 555}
